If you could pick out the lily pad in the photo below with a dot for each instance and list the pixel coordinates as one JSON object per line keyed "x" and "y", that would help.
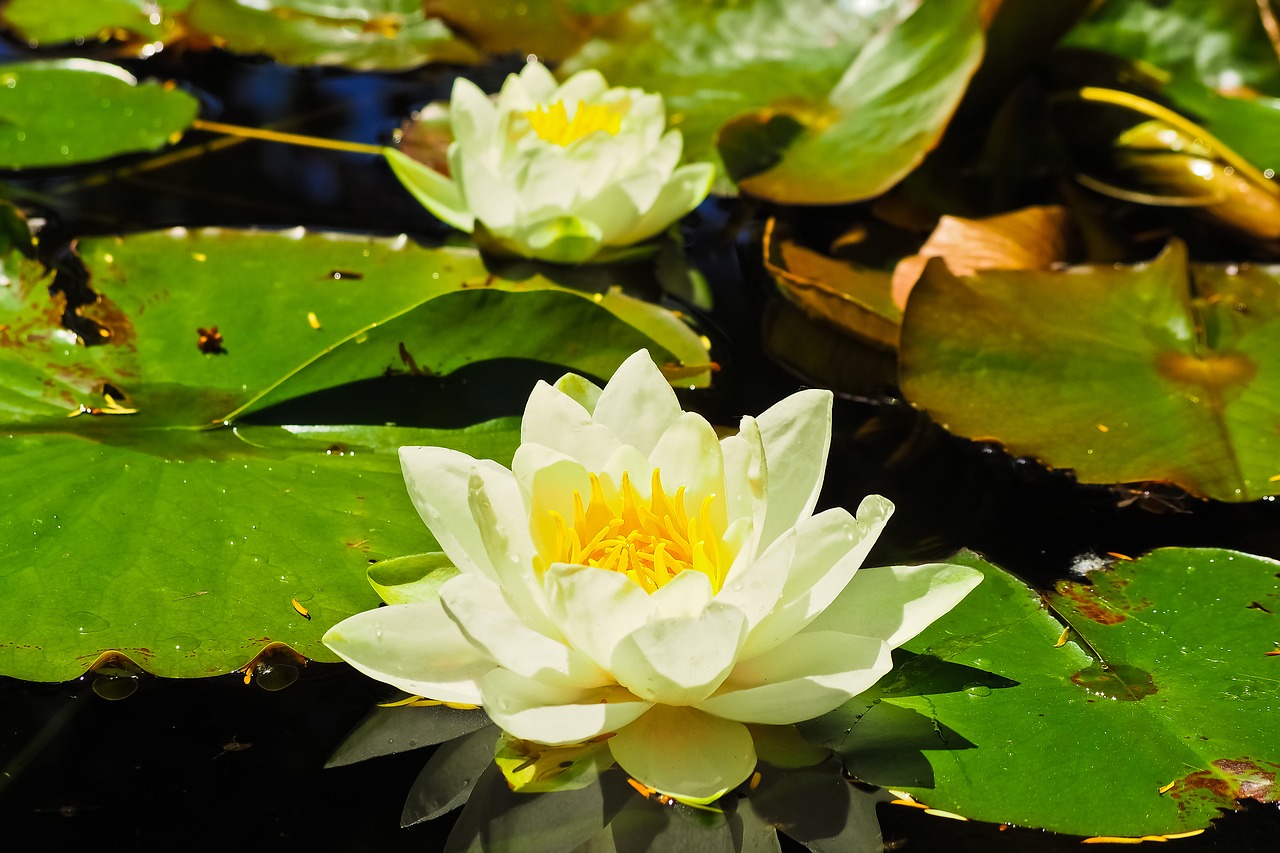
{"x": 42, "y": 22}
{"x": 383, "y": 35}
{"x": 151, "y": 526}
{"x": 102, "y": 111}
{"x": 1160, "y": 372}
{"x": 802, "y": 102}
{"x": 1223, "y": 45}
{"x": 1135, "y": 722}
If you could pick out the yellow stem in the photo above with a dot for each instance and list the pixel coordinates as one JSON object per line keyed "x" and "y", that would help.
{"x": 286, "y": 138}
{"x": 1139, "y": 104}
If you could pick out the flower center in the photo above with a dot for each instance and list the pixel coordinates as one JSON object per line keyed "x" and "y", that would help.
{"x": 552, "y": 123}
{"x": 650, "y": 540}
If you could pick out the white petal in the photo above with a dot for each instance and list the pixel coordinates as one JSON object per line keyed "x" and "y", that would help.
{"x": 533, "y": 710}
{"x": 797, "y": 436}
{"x": 745, "y": 483}
{"x": 684, "y": 752}
{"x": 680, "y": 660}
{"x": 637, "y": 404}
{"x": 805, "y": 677}
{"x": 829, "y": 548}
{"x": 490, "y": 198}
{"x": 478, "y": 609}
{"x": 434, "y": 191}
{"x": 755, "y": 586}
{"x": 415, "y": 647}
{"x": 595, "y": 608}
{"x": 438, "y": 482}
{"x": 685, "y": 190}
{"x": 688, "y": 454}
{"x": 538, "y": 81}
{"x": 895, "y": 603}
{"x": 586, "y": 86}
{"x": 553, "y": 419}
{"x": 472, "y": 116}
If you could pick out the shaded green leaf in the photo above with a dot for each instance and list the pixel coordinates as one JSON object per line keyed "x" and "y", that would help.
{"x": 1157, "y": 372}
{"x": 42, "y": 22}
{"x": 447, "y": 780}
{"x": 387, "y": 731}
{"x": 385, "y": 35}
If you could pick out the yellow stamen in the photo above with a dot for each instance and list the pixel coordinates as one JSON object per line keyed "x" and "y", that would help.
{"x": 552, "y": 123}
{"x": 650, "y": 540}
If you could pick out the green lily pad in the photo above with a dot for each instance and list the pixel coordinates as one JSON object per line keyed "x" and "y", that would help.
{"x": 42, "y": 22}
{"x": 1157, "y": 708}
{"x": 1157, "y": 372}
{"x": 1221, "y": 44}
{"x": 382, "y": 35}
{"x": 150, "y": 525}
{"x": 808, "y": 102}
{"x": 60, "y": 112}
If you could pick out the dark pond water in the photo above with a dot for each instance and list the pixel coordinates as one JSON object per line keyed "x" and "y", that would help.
{"x": 215, "y": 763}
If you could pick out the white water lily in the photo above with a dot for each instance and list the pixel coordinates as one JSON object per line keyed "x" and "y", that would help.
{"x": 636, "y": 578}
{"x": 558, "y": 172}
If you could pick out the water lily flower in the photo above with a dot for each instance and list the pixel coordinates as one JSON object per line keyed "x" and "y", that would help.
{"x": 558, "y": 172}
{"x": 635, "y": 578}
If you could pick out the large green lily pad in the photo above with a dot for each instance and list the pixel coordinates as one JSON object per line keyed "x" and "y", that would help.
{"x": 383, "y": 35}
{"x": 60, "y": 112}
{"x": 1158, "y": 708}
{"x": 42, "y": 22}
{"x": 141, "y": 511}
{"x": 803, "y": 102}
{"x": 1156, "y": 372}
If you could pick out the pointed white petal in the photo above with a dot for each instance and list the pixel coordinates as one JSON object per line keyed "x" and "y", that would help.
{"x": 555, "y": 420}
{"x": 637, "y": 404}
{"x": 533, "y": 710}
{"x": 688, "y": 454}
{"x": 415, "y": 647}
{"x": 472, "y": 116}
{"x": 895, "y": 603}
{"x": 829, "y": 548}
{"x": 586, "y": 86}
{"x": 680, "y": 660}
{"x": 685, "y": 190}
{"x": 797, "y": 436}
{"x": 684, "y": 752}
{"x": 478, "y": 609}
{"x": 595, "y": 608}
{"x": 438, "y": 482}
{"x": 804, "y": 677}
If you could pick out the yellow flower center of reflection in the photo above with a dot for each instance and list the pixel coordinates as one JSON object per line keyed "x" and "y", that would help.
{"x": 650, "y": 540}
{"x": 552, "y": 123}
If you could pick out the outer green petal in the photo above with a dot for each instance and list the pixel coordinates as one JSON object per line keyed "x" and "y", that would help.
{"x": 535, "y": 711}
{"x": 562, "y": 240}
{"x": 803, "y": 678}
{"x": 688, "y": 186}
{"x": 637, "y": 404}
{"x": 415, "y": 647}
{"x": 796, "y": 433}
{"x": 682, "y": 660}
{"x": 581, "y": 390}
{"x": 434, "y": 191}
{"x": 498, "y": 633}
{"x": 895, "y": 603}
{"x": 829, "y": 548}
{"x": 685, "y": 753}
